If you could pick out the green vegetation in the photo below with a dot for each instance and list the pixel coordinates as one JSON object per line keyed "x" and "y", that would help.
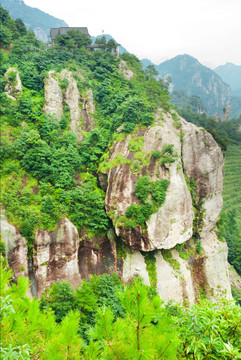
{"x": 72, "y": 40}
{"x": 185, "y": 249}
{"x": 43, "y": 166}
{"x": 89, "y": 297}
{"x": 150, "y": 262}
{"x": 167, "y": 256}
{"x": 136, "y": 144}
{"x": 103, "y": 319}
{"x": 224, "y": 133}
{"x": 229, "y": 226}
{"x": 197, "y": 207}
{"x": 32, "y": 16}
{"x": 47, "y": 176}
{"x": 156, "y": 154}
{"x": 136, "y": 215}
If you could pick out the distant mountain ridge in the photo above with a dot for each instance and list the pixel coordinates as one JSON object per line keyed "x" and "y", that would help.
{"x": 231, "y": 74}
{"x": 189, "y": 76}
{"x": 34, "y": 19}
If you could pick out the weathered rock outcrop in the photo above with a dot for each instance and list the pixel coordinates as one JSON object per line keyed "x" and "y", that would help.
{"x": 196, "y": 157}
{"x": 203, "y": 161}
{"x": 53, "y": 97}
{"x": 65, "y": 254}
{"x": 16, "y": 249}
{"x": 62, "y": 254}
{"x": 191, "y": 161}
{"x": 56, "y": 255}
{"x": 185, "y": 280}
{"x": 172, "y": 224}
{"x": 13, "y": 83}
{"x": 81, "y": 107}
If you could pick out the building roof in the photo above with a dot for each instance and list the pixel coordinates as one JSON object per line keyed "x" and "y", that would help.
{"x": 54, "y": 32}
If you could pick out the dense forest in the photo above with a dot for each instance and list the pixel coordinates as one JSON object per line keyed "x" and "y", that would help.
{"x": 46, "y": 175}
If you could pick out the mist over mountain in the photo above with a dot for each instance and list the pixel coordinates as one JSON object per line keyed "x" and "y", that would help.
{"x": 34, "y": 19}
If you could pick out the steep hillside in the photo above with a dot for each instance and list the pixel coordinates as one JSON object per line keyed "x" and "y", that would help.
{"x": 34, "y": 19}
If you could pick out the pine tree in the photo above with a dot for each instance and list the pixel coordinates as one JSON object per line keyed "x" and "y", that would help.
{"x": 144, "y": 333}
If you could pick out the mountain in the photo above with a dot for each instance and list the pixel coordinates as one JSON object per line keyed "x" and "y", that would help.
{"x": 103, "y": 183}
{"x": 146, "y": 182}
{"x": 231, "y": 74}
{"x": 95, "y": 179}
{"x": 189, "y": 75}
{"x": 34, "y": 19}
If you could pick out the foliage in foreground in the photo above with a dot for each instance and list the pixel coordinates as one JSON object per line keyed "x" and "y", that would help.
{"x": 142, "y": 329}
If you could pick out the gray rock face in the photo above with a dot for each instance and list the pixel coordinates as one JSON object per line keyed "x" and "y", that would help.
{"x": 197, "y": 157}
{"x": 53, "y": 96}
{"x": 72, "y": 98}
{"x": 64, "y": 254}
{"x": 203, "y": 162}
{"x": 81, "y": 106}
{"x": 190, "y": 278}
{"x": 16, "y": 249}
{"x": 68, "y": 254}
{"x": 13, "y": 83}
{"x": 56, "y": 255}
{"x": 172, "y": 223}
{"x": 216, "y": 266}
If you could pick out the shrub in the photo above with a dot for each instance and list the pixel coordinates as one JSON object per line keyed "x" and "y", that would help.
{"x": 199, "y": 247}
{"x": 12, "y": 76}
{"x": 142, "y": 188}
{"x": 156, "y": 154}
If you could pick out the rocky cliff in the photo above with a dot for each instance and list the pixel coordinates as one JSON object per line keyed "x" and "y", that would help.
{"x": 163, "y": 187}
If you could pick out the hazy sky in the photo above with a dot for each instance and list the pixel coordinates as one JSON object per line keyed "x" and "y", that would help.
{"x": 209, "y": 30}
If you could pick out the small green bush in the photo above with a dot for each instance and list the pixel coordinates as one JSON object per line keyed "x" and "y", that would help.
{"x": 156, "y": 154}
{"x": 12, "y": 76}
{"x": 142, "y": 188}
{"x": 199, "y": 247}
